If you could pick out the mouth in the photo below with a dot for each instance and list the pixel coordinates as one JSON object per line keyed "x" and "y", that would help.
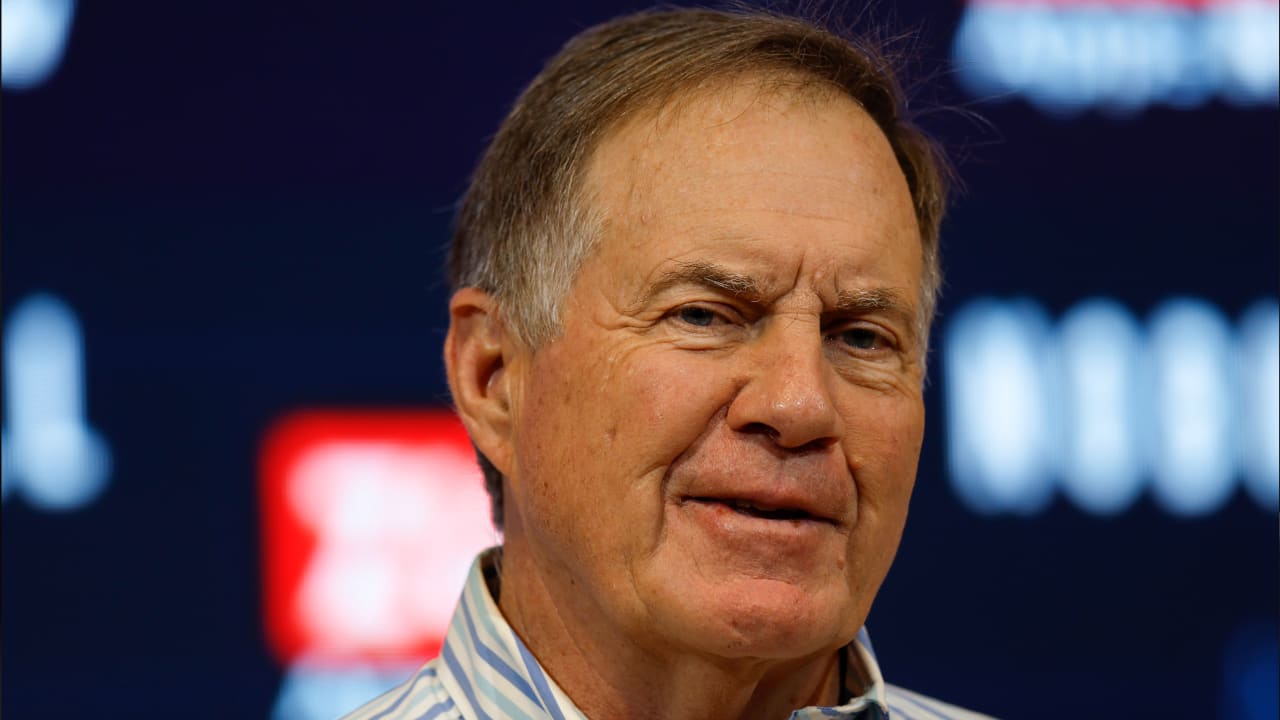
{"x": 757, "y": 509}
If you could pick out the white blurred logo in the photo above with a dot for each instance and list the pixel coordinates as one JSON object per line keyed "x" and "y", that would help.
{"x": 1064, "y": 55}
{"x": 1101, "y": 408}
{"x": 33, "y": 36}
{"x": 50, "y": 454}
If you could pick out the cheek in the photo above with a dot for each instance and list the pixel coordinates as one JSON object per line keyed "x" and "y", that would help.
{"x": 605, "y": 419}
{"x": 558, "y": 433}
{"x": 884, "y": 450}
{"x": 885, "y": 434}
{"x": 595, "y": 444}
{"x": 671, "y": 400}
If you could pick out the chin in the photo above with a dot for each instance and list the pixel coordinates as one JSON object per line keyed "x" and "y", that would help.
{"x": 764, "y": 618}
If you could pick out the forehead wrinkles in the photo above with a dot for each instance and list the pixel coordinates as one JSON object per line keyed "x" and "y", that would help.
{"x": 654, "y": 161}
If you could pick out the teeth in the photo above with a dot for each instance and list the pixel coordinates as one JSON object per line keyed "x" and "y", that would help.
{"x": 746, "y": 507}
{"x": 773, "y": 514}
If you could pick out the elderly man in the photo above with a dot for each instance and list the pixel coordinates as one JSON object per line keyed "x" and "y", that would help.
{"x": 694, "y": 277}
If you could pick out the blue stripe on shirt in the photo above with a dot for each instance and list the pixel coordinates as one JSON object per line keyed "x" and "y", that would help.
{"x": 494, "y": 660}
{"x": 428, "y": 671}
{"x": 539, "y": 681}
{"x": 438, "y": 709}
{"x": 451, "y": 660}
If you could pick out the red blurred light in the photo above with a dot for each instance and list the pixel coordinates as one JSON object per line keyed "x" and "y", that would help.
{"x": 369, "y": 520}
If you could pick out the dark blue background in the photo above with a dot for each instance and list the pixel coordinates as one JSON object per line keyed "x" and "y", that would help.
{"x": 247, "y": 206}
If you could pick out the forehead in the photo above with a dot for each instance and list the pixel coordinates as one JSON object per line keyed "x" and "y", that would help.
{"x": 750, "y": 170}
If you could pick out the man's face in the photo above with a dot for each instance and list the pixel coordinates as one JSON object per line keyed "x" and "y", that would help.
{"x": 717, "y": 454}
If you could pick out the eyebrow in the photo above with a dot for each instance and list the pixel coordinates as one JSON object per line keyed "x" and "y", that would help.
{"x": 872, "y": 300}
{"x": 708, "y": 275}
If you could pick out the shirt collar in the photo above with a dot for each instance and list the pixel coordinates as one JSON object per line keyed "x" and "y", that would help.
{"x": 485, "y": 665}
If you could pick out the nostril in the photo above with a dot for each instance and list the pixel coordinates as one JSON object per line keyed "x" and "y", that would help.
{"x": 777, "y": 439}
{"x": 815, "y": 445}
{"x": 759, "y": 428}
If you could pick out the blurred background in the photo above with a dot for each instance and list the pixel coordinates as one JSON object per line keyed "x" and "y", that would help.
{"x": 232, "y": 486}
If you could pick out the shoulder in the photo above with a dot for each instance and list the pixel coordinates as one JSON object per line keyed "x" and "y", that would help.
{"x": 421, "y": 696}
{"x": 907, "y": 705}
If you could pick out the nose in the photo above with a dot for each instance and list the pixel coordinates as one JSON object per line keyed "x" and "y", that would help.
{"x": 788, "y": 393}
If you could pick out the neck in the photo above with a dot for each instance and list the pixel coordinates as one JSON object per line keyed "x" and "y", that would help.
{"x": 610, "y": 675}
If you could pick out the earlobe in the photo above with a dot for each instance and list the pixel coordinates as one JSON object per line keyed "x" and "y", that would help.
{"x": 477, "y": 353}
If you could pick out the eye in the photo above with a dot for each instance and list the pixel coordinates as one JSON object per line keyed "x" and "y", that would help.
{"x": 698, "y": 316}
{"x": 862, "y": 338}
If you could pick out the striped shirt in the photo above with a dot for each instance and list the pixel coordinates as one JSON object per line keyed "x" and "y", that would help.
{"x": 484, "y": 671}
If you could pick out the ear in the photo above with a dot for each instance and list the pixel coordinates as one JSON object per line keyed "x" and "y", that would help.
{"x": 477, "y": 353}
